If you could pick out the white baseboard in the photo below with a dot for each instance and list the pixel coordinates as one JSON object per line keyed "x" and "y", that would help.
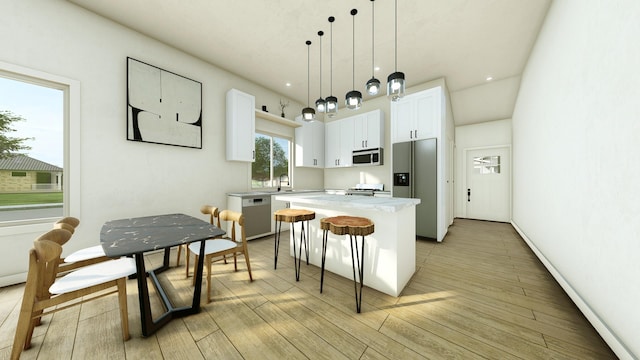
{"x": 609, "y": 337}
{"x": 13, "y": 279}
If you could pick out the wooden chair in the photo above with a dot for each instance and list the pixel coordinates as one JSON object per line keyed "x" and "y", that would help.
{"x": 221, "y": 247}
{"x": 82, "y": 257}
{"x": 45, "y": 293}
{"x": 214, "y": 219}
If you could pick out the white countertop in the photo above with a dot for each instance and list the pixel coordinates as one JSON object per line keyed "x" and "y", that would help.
{"x": 388, "y": 204}
{"x": 270, "y": 192}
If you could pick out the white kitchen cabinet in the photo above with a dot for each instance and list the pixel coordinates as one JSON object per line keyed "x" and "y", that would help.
{"x": 338, "y": 143}
{"x": 309, "y": 140}
{"x": 368, "y": 130}
{"x": 417, "y": 116}
{"x": 241, "y": 125}
{"x": 275, "y": 206}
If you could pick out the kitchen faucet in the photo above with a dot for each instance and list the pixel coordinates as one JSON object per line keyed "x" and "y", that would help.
{"x": 280, "y": 180}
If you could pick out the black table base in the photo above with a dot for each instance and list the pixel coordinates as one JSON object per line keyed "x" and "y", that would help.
{"x": 149, "y": 324}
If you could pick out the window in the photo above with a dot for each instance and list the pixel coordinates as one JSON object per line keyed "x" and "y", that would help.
{"x": 271, "y": 168}
{"x": 33, "y": 110}
{"x": 486, "y": 165}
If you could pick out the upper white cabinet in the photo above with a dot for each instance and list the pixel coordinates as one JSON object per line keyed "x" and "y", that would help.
{"x": 309, "y": 142}
{"x": 241, "y": 126}
{"x": 339, "y": 143}
{"x": 417, "y": 116}
{"x": 368, "y": 130}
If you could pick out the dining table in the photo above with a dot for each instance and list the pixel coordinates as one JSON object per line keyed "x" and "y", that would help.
{"x": 139, "y": 235}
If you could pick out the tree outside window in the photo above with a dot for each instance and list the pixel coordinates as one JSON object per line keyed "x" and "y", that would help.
{"x": 271, "y": 167}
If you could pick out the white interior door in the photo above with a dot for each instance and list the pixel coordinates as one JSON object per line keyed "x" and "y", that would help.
{"x": 488, "y": 180}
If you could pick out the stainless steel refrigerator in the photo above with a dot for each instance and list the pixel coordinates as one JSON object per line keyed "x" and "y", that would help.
{"x": 415, "y": 176}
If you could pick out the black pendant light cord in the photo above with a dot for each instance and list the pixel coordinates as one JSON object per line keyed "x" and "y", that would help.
{"x": 353, "y": 78}
{"x": 373, "y": 36}
{"x": 395, "y": 15}
{"x": 308, "y": 69}
{"x": 331, "y": 20}
{"x": 320, "y": 33}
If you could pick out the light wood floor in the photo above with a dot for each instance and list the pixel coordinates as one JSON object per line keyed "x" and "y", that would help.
{"x": 479, "y": 294}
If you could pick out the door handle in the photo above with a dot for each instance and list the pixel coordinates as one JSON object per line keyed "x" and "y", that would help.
{"x": 468, "y": 195}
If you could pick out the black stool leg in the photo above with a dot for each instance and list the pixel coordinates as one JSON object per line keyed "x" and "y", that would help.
{"x": 277, "y": 243}
{"x": 296, "y": 260}
{"x": 306, "y": 242}
{"x": 359, "y": 258}
{"x": 324, "y": 256}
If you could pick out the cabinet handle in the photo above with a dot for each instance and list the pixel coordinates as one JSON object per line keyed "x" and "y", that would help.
{"x": 366, "y": 143}
{"x": 253, "y": 156}
{"x": 362, "y": 143}
{"x": 410, "y": 134}
{"x": 415, "y": 134}
{"x": 468, "y": 195}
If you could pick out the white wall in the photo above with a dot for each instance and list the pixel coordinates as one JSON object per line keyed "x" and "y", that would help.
{"x": 575, "y": 134}
{"x": 487, "y": 134}
{"x": 121, "y": 178}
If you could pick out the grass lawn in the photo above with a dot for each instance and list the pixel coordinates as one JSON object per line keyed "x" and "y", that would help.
{"x": 30, "y": 198}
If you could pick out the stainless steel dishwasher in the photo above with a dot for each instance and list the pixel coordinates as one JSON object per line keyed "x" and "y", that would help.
{"x": 257, "y": 214}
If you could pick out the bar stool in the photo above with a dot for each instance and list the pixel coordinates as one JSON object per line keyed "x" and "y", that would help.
{"x": 354, "y": 227}
{"x": 292, "y": 216}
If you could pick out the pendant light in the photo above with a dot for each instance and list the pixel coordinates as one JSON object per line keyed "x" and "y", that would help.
{"x": 395, "y": 81}
{"x": 320, "y": 103}
{"x": 373, "y": 85}
{"x": 353, "y": 99}
{"x": 331, "y": 101}
{"x": 308, "y": 114}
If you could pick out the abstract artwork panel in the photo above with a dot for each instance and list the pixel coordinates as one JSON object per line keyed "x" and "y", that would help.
{"x": 163, "y": 107}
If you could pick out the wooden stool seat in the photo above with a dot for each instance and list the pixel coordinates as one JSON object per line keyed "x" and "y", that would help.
{"x": 353, "y": 226}
{"x": 347, "y": 225}
{"x": 293, "y": 216}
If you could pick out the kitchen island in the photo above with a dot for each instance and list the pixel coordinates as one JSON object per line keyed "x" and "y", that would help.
{"x": 390, "y": 252}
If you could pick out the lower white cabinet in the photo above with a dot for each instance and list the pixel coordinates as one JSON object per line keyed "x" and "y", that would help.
{"x": 275, "y": 206}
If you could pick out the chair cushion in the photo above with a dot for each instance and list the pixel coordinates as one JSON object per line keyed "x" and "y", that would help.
{"x": 85, "y": 254}
{"x": 93, "y": 275}
{"x": 212, "y": 246}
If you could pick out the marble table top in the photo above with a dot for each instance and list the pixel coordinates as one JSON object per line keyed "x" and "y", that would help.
{"x": 137, "y": 235}
{"x": 388, "y": 204}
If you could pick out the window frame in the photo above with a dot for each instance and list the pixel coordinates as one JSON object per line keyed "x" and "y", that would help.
{"x": 272, "y": 179}
{"x": 71, "y": 139}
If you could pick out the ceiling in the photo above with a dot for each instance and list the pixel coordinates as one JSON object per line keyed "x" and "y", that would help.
{"x": 464, "y": 41}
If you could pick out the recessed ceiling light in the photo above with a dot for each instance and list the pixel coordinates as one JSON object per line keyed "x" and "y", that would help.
{"x": 489, "y": 78}
{"x": 377, "y": 68}
{"x": 288, "y": 84}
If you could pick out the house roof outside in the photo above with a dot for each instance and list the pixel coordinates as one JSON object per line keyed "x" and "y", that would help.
{"x": 24, "y": 163}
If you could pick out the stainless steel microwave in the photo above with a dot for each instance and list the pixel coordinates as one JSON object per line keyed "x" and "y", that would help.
{"x": 367, "y": 157}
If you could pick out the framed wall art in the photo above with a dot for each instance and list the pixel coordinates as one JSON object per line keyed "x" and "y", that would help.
{"x": 163, "y": 107}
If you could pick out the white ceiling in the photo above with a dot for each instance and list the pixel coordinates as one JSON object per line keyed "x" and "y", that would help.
{"x": 463, "y": 41}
